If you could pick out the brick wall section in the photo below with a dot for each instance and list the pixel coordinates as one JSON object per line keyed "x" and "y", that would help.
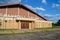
{"x": 2, "y": 11}
{"x": 12, "y": 11}
{"x": 31, "y": 15}
{"x": 23, "y": 13}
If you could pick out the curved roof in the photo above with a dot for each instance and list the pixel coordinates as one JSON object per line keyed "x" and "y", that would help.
{"x": 20, "y": 4}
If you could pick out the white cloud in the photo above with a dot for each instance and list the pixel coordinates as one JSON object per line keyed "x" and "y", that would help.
{"x": 14, "y": 1}
{"x": 55, "y": 5}
{"x": 51, "y": 17}
{"x": 35, "y": 8}
{"x": 44, "y": 1}
{"x": 29, "y": 6}
{"x": 48, "y": 15}
{"x": 40, "y": 8}
{"x": 32, "y": 8}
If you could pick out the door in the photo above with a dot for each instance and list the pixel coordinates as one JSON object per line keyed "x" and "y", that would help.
{"x": 25, "y": 25}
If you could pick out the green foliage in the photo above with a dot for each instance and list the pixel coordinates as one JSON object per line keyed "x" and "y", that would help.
{"x": 57, "y": 24}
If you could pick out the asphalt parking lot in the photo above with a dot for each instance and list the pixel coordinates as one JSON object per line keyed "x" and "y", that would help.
{"x": 51, "y": 35}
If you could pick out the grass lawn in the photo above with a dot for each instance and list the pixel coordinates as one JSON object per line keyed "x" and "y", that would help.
{"x": 15, "y": 31}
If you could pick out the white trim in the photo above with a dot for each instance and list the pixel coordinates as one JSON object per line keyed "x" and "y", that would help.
{"x": 8, "y": 18}
{"x": 18, "y": 11}
{"x": 28, "y": 14}
{"x": 20, "y": 18}
{"x": 6, "y": 11}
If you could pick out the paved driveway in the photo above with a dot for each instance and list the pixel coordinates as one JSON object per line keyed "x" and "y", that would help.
{"x": 53, "y": 35}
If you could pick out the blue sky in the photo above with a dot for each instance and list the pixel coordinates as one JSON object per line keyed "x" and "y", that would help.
{"x": 50, "y": 9}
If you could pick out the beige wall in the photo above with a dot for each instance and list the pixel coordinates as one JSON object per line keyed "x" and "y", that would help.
{"x": 12, "y": 24}
{"x": 43, "y": 24}
{"x": 1, "y": 22}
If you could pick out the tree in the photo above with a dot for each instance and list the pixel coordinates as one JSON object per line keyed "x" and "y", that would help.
{"x": 58, "y": 23}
